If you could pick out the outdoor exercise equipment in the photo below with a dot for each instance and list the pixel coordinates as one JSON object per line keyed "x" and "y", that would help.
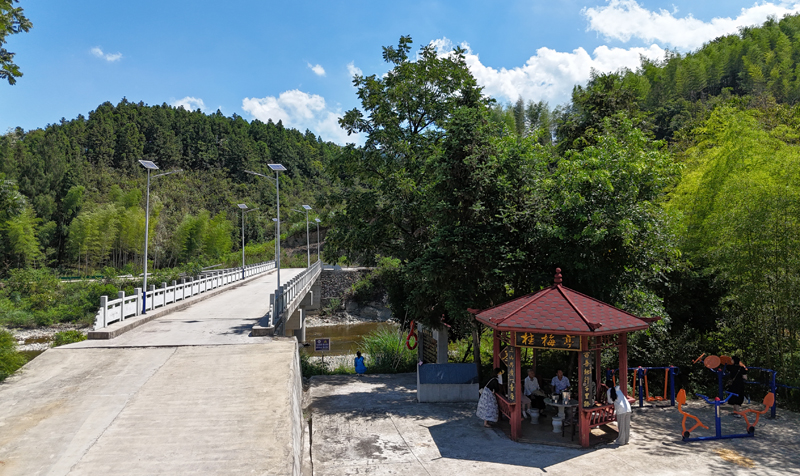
{"x": 681, "y": 402}
{"x": 772, "y": 385}
{"x": 769, "y": 401}
{"x": 640, "y": 381}
{"x": 412, "y": 334}
{"x": 717, "y": 402}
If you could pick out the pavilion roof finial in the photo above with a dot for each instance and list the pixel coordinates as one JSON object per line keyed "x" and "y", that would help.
{"x": 557, "y": 278}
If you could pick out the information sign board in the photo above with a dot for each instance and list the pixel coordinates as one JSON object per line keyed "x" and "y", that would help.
{"x": 322, "y": 345}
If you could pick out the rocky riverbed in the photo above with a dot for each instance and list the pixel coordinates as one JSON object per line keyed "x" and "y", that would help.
{"x": 41, "y": 338}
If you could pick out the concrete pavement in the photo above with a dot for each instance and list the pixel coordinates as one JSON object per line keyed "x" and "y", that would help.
{"x": 372, "y": 425}
{"x": 189, "y": 393}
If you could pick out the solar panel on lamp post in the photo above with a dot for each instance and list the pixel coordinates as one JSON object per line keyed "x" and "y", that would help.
{"x": 244, "y": 210}
{"x": 317, "y": 220}
{"x": 149, "y": 165}
{"x": 275, "y": 168}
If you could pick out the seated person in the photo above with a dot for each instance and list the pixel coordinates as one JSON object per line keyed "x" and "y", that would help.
{"x": 533, "y": 393}
{"x": 560, "y": 383}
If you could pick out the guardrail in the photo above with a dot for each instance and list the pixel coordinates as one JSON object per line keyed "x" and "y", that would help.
{"x": 281, "y": 301}
{"x": 130, "y": 306}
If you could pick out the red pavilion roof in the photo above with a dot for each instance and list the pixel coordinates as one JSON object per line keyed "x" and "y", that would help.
{"x": 559, "y": 310}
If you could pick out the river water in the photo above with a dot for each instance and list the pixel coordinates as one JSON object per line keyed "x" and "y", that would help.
{"x": 345, "y": 338}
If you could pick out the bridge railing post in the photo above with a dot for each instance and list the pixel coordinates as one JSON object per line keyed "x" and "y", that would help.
{"x": 121, "y": 297}
{"x": 152, "y": 297}
{"x": 138, "y": 293}
{"x": 103, "y": 312}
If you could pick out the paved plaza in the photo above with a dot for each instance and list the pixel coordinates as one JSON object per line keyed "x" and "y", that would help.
{"x": 372, "y": 425}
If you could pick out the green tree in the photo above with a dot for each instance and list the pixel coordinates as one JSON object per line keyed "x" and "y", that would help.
{"x": 739, "y": 204}
{"x": 12, "y": 21}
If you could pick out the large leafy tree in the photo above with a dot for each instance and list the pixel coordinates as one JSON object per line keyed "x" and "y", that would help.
{"x": 12, "y": 21}
{"x": 433, "y": 186}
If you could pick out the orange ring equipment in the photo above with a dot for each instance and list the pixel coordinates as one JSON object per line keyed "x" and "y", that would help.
{"x": 412, "y": 333}
{"x": 681, "y": 399}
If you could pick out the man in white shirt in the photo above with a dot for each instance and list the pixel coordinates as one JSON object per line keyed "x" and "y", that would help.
{"x": 532, "y": 392}
{"x": 531, "y": 383}
{"x": 559, "y": 382}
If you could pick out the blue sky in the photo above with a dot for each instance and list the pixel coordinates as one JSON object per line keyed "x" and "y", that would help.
{"x": 294, "y": 60}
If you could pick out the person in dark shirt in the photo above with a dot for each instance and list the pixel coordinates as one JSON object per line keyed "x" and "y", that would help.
{"x": 738, "y": 373}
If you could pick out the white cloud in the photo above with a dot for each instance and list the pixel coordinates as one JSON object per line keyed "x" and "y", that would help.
{"x": 626, "y": 19}
{"x": 190, "y": 103}
{"x": 301, "y": 111}
{"x": 317, "y": 69}
{"x": 549, "y": 75}
{"x": 354, "y": 70}
{"x": 110, "y": 57}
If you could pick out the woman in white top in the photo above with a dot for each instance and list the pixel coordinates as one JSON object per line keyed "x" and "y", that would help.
{"x": 623, "y": 411}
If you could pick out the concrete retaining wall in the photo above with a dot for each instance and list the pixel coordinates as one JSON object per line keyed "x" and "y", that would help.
{"x": 295, "y": 392}
{"x": 447, "y": 383}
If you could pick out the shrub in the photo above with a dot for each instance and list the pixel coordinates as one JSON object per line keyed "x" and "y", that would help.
{"x": 68, "y": 337}
{"x": 316, "y": 367}
{"x": 38, "y": 287}
{"x": 10, "y": 359}
{"x": 387, "y": 351}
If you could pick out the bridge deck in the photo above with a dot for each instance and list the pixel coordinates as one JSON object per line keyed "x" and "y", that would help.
{"x": 223, "y": 319}
{"x": 175, "y": 396}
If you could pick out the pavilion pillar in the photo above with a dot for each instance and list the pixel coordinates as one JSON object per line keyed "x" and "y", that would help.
{"x": 495, "y": 349}
{"x": 598, "y": 371}
{"x": 623, "y": 362}
{"x": 583, "y": 415}
{"x": 516, "y": 418}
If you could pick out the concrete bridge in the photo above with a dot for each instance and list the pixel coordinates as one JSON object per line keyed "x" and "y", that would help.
{"x": 195, "y": 386}
{"x": 297, "y": 294}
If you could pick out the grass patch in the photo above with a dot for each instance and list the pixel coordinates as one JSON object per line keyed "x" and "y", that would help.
{"x": 67, "y": 337}
{"x": 387, "y": 352}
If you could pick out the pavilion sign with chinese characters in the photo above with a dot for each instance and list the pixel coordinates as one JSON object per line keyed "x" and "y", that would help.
{"x": 509, "y": 358}
{"x": 547, "y": 341}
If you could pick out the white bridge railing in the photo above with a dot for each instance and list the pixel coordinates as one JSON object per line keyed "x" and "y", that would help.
{"x": 130, "y": 306}
{"x": 282, "y": 303}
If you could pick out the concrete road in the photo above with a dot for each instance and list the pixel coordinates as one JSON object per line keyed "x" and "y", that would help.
{"x": 372, "y": 425}
{"x": 189, "y": 393}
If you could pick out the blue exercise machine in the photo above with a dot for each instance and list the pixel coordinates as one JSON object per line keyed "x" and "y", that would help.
{"x": 640, "y": 382}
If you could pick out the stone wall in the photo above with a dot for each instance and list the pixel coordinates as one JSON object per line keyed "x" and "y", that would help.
{"x": 336, "y": 284}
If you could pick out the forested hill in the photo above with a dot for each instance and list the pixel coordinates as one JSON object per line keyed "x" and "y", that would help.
{"x": 77, "y": 175}
{"x": 756, "y": 66}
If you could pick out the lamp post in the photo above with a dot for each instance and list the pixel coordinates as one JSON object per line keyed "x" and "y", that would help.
{"x": 275, "y": 168}
{"x": 308, "y": 243}
{"x": 149, "y": 165}
{"x": 244, "y": 209}
{"x": 277, "y": 238}
{"x": 317, "y": 220}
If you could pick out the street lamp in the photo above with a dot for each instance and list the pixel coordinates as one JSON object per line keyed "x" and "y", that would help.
{"x": 244, "y": 209}
{"x": 275, "y": 168}
{"x": 277, "y": 239}
{"x": 318, "y": 221}
{"x": 149, "y": 165}
{"x": 308, "y": 244}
